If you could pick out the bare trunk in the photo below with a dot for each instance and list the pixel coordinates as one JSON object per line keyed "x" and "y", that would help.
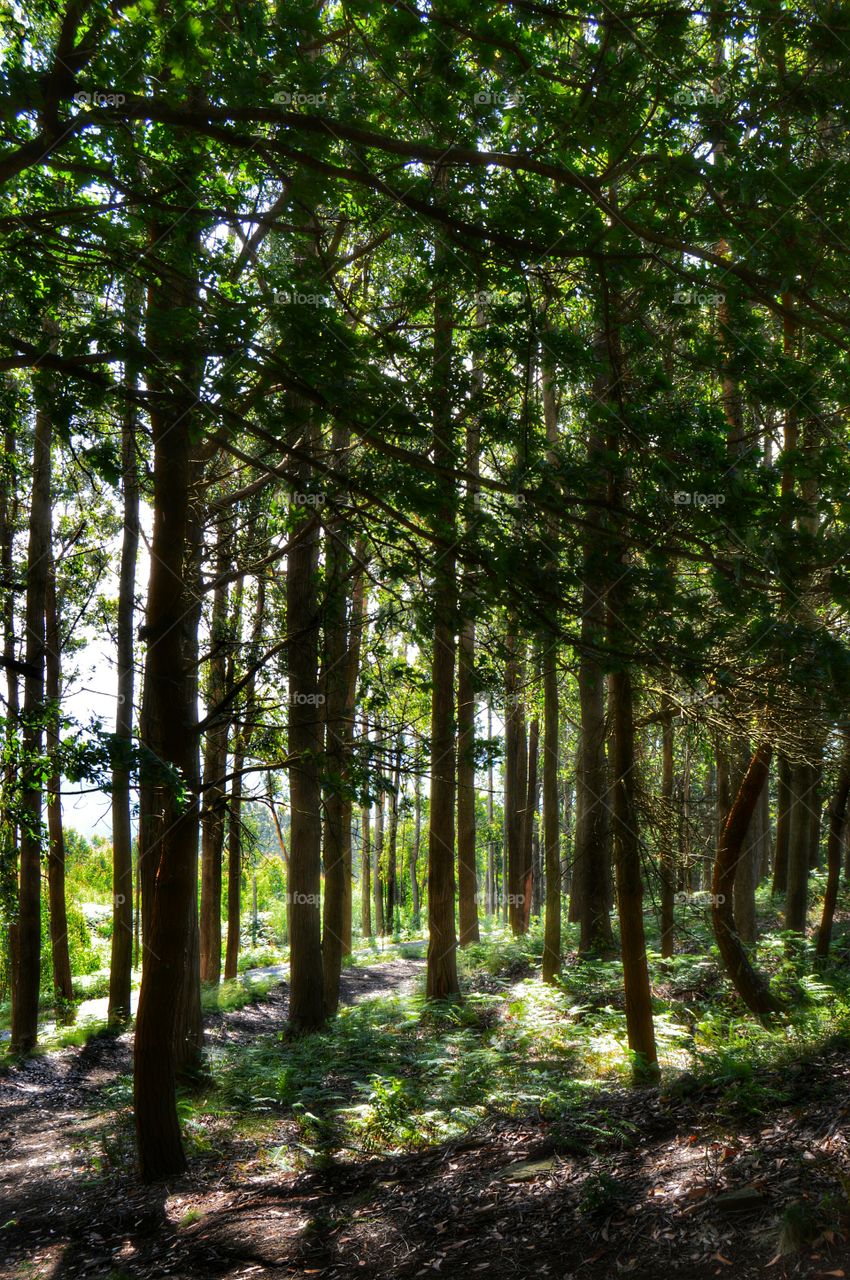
{"x": 306, "y": 1010}
{"x": 27, "y": 950}
{"x": 467, "y": 873}
{"x": 121, "y": 959}
{"x": 62, "y": 985}
{"x": 802, "y": 801}
{"x": 366, "y": 871}
{"x": 639, "y": 1026}
{"x": 551, "y": 819}
{"x": 414, "y": 852}
{"x": 668, "y": 836}
{"x": 748, "y": 982}
{"x": 529, "y": 814}
{"x": 169, "y": 848}
{"x": 442, "y": 980}
{"x": 835, "y": 836}
{"x": 215, "y": 764}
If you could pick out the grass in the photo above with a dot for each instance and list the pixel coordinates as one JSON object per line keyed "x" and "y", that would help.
{"x": 398, "y": 1073}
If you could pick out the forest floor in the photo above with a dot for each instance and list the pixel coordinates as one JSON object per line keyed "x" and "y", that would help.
{"x": 675, "y": 1183}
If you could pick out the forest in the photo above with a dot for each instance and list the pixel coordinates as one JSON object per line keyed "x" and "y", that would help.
{"x": 425, "y": 639}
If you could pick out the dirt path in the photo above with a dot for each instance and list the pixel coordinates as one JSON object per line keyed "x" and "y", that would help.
{"x": 51, "y": 1111}
{"x": 680, "y": 1194}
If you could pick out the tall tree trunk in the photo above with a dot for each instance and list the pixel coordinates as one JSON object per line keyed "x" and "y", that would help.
{"x": 641, "y": 1032}
{"x": 169, "y": 853}
{"x": 528, "y": 816}
{"x": 355, "y": 644}
{"x": 441, "y": 978}
{"x": 591, "y": 864}
{"x": 377, "y": 867}
{"x": 627, "y": 854}
{"x": 747, "y": 981}
{"x": 802, "y": 800}
{"x": 417, "y": 841}
{"x": 392, "y": 841}
{"x": 668, "y": 835}
{"x": 492, "y": 893}
{"x": 9, "y": 505}
{"x": 467, "y": 878}
{"x": 551, "y": 818}
{"x": 215, "y": 765}
{"x": 516, "y": 780}
{"x": 62, "y": 985}
{"x": 306, "y": 1010}
{"x": 336, "y": 827}
{"x": 366, "y": 871}
{"x": 121, "y": 958}
{"x": 837, "y": 823}
{"x": 27, "y": 950}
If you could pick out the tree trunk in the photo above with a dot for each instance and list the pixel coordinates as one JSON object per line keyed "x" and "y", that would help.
{"x": 377, "y": 871}
{"x": 747, "y": 981}
{"x": 467, "y": 878}
{"x": 339, "y": 682}
{"x": 803, "y": 785}
{"x": 516, "y": 781}
{"x": 835, "y": 836}
{"x": 121, "y": 958}
{"x": 639, "y": 1026}
{"x": 528, "y": 816}
{"x": 591, "y": 865}
{"x": 62, "y": 985}
{"x": 215, "y": 766}
{"x": 415, "y": 847}
{"x": 366, "y": 871}
{"x": 442, "y": 980}
{"x": 27, "y": 950}
{"x": 551, "y": 818}
{"x": 169, "y": 714}
{"x": 306, "y": 1009}
{"x": 392, "y": 843}
{"x": 668, "y": 835}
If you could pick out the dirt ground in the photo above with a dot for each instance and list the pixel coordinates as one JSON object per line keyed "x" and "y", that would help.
{"x": 681, "y": 1194}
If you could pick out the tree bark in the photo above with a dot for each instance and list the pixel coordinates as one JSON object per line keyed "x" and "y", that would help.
{"x": 27, "y": 950}
{"x": 529, "y": 813}
{"x": 467, "y": 874}
{"x": 442, "y": 979}
{"x": 747, "y": 981}
{"x": 516, "y": 781}
{"x": 835, "y": 836}
{"x": 121, "y": 958}
{"x": 62, "y": 984}
{"x": 215, "y": 765}
{"x": 306, "y": 1010}
{"x": 169, "y": 714}
{"x": 641, "y": 1032}
{"x": 668, "y": 834}
{"x": 416, "y": 845}
{"x": 803, "y": 786}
